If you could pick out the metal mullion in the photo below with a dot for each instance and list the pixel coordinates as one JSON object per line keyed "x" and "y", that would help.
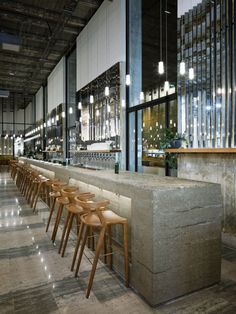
{"x": 186, "y": 85}
{"x": 232, "y": 76}
{"x": 226, "y": 75}
{"x": 204, "y": 63}
{"x": 192, "y": 84}
{"x": 199, "y": 81}
{"x": 215, "y": 74}
{"x": 211, "y": 92}
{"x": 221, "y": 69}
{"x": 195, "y": 85}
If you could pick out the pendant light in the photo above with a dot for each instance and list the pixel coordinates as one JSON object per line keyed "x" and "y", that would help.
{"x": 182, "y": 67}
{"x": 141, "y": 96}
{"x": 107, "y": 91}
{"x": 161, "y": 63}
{"x": 191, "y": 73}
{"x": 79, "y": 105}
{"x": 166, "y": 84}
{"x": 127, "y": 79}
{"x": 91, "y": 99}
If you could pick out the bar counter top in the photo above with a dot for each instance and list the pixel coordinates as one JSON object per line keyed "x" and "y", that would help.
{"x": 174, "y": 227}
{"x": 134, "y": 180}
{"x": 201, "y": 150}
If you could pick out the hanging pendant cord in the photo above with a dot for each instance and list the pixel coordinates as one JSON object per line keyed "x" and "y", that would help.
{"x": 166, "y": 37}
{"x": 160, "y": 30}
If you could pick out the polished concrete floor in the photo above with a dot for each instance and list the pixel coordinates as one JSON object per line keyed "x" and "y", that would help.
{"x": 35, "y": 279}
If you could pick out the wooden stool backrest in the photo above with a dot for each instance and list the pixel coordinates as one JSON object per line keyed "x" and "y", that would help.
{"x": 70, "y": 192}
{"x": 91, "y": 206}
{"x": 58, "y": 186}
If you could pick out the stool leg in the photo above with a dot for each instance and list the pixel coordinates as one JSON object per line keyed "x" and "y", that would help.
{"x": 126, "y": 254}
{"x": 86, "y": 233}
{"x": 36, "y": 197}
{"x": 67, "y": 234}
{"x": 97, "y": 252}
{"x": 51, "y": 212}
{"x": 81, "y": 229}
{"x": 64, "y": 231}
{"x": 58, "y": 218}
{"x": 109, "y": 231}
{"x": 35, "y": 192}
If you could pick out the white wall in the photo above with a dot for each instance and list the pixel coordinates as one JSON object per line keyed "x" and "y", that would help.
{"x": 56, "y": 86}
{"x": 101, "y": 44}
{"x": 39, "y": 104}
{"x": 29, "y": 114}
{"x": 19, "y": 116}
{"x": 186, "y": 5}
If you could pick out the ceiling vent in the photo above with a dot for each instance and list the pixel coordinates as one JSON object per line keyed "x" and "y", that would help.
{"x": 4, "y": 93}
{"x": 10, "y": 42}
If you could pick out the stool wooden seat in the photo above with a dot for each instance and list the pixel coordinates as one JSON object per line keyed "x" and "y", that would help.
{"x": 48, "y": 189}
{"x": 87, "y": 207}
{"x": 39, "y": 190}
{"x": 74, "y": 210}
{"x": 61, "y": 201}
{"x": 30, "y": 185}
{"x": 56, "y": 187}
{"x": 98, "y": 217}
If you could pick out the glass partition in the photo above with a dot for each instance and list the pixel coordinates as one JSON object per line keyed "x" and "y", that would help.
{"x": 207, "y": 101}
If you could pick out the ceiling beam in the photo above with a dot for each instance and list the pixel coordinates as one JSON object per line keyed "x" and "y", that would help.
{"x": 32, "y": 36}
{"x": 89, "y": 3}
{"x": 21, "y": 64}
{"x": 21, "y": 18}
{"x": 17, "y": 55}
{"x": 37, "y": 13}
{"x": 16, "y": 67}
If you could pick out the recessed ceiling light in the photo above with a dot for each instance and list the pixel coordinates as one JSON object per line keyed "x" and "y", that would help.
{"x": 11, "y": 47}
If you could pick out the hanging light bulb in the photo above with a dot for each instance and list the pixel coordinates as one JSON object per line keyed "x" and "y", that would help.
{"x": 79, "y": 105}
{"x": 107, "y": 91}
{"x": 191, "y": 73}
{"x": 63, "y": 114}
{"x": 91, "y": 99}
{"x": 182, "y": 68}
{"x": 97, "y": 113}
{"x": 127, "y": 79}
{"x": 108, "y": 109}
{"x": 45, "y": 124}
{"x": 160, "y": 63}
{"x": 41, "y": 127}
{"x": 141, "y": 97}
{"x": 70, "y": 110}
{"x": 57, "y": 117}
{"x": 166, "y": 86}
{"x": 53, "y": 120}
{"x": 161, "y": 67}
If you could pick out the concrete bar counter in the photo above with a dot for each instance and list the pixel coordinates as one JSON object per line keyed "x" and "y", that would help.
{"x": 175, "y": 227}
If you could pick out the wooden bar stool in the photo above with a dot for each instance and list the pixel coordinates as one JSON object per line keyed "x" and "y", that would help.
{"x": 27, "y": 181}
{"x": 39, "y": 192}
{"x": 25, "y": 175}
{"x": 56, "y": 187}
{"x": 86, "y": 205}
{"x": 98, "y": 217}
{"x": 30, "y": 185}
{"x": 61, "y": 201}
{"x": 74, "y": 210}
